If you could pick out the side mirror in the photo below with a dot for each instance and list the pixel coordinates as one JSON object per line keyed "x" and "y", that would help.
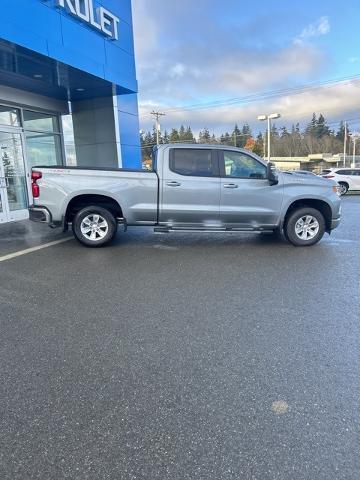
{"x": 272, "y": 175}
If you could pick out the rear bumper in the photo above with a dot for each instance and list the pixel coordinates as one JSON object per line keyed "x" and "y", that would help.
{"x": 40, "y": 215}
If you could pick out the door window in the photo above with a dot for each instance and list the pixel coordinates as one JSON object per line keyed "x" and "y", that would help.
{"x": 240, "y": 165}
{"x": 193, "y": 162}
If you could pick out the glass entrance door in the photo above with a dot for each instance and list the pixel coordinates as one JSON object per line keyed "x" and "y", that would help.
{"x": 13, "y": 184}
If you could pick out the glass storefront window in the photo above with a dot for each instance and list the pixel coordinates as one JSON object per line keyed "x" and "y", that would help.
{"x": 9, "y": 116}
{"x": 40, "y": 121}
{"x": 43, "y": 149}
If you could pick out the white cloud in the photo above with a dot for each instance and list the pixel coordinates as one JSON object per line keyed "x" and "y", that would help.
{"x": 316, "y": 29}
{"x": 336, "y": 102}
{"x": 180, "y": 61}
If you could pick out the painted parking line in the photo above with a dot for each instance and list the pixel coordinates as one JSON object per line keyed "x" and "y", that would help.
{"x": 33, "y": 249}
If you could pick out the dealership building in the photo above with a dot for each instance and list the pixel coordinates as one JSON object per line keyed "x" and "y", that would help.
{"x": 68, "y": 91}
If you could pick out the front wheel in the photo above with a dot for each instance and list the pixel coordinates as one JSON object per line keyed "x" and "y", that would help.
{"x": 305, "y": 227}
{"x": 94, "y": 226}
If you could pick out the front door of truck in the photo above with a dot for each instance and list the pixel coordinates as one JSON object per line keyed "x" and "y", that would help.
{"x": 247, "y": 198}
{"x": 190, "y": 188}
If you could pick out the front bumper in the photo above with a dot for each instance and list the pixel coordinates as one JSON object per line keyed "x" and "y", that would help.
{"x": 40, "y": 215}
{"x": 335, "y": 222}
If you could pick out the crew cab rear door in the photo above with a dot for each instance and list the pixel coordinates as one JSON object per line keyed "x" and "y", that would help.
{"x": 247, "y": 198}
{"x": 190, "y": 188}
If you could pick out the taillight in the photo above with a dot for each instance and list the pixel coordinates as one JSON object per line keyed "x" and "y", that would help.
{"x": 328, "y": 176}
{"x": 35, "y": 176}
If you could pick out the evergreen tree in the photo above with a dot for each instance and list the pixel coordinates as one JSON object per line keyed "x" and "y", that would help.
{"x": 322, "y": 128}
{"x": 259, "y": 145}
{"x": 182, "y": 133}
{"x": 189, "y": 136}
{"x": 236, "y": 135}
{"x": 174, "y": 136}
{"x": 204, "y": 136}
{"x": 311, "y": 128}
{"x": 245, "y": 135}
{"x": 165, "y": 138}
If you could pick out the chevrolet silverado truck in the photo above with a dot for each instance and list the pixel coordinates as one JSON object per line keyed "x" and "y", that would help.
{"x": 192, "y": 188}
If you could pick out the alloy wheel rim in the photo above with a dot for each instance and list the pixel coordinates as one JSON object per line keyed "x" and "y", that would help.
{"x": 307, "y": 227}
{"x": 343, "y": 189}
{"x": 94, "y": 227}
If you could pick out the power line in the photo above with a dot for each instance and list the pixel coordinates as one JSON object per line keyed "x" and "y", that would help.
{"x": 265, "y": 95}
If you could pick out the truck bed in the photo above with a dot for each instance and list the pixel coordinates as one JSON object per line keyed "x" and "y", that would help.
{"x": 135, "y": 190}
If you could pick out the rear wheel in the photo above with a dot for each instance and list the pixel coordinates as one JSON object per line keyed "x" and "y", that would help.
{"x": 343, "y": 188}
{"x": 94, "y": 226}
{"x": 305, "y": 227}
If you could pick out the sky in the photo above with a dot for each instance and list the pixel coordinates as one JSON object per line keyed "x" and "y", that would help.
{"x": 192, "y": 53}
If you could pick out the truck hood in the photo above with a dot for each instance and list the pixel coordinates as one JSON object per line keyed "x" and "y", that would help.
{"x": 293, "y": 178}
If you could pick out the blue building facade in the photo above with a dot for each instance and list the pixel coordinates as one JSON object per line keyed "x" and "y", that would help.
{"x": 68, "y": 90}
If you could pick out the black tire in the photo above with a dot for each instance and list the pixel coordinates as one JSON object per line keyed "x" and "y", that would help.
{"x": 102, "y": 228}
{"x": 344, "y": 187}
{"x": 313, "y": 231}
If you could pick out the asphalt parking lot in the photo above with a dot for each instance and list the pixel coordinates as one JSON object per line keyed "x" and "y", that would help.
{"x": 180, "y": 356}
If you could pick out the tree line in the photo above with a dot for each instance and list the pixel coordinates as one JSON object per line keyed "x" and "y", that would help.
{"x": 315, "y": 137}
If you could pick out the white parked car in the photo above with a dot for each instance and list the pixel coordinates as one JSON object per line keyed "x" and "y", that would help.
{"x": 347, "y": 178}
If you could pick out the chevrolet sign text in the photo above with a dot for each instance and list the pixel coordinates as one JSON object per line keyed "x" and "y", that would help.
{"x": 100, "y": 18}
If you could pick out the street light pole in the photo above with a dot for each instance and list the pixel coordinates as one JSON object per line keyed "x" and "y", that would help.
{"x": 270, "y": 117}
{"x": 269, "y": 138}
{"x": 354, "y": 137}
{"x": 345, "y": 141}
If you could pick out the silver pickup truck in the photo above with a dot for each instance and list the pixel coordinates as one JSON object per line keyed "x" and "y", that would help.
{"x": 202, "y": 188}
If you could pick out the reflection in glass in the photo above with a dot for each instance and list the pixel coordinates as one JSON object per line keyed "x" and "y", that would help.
{"x": 12, "y": 159}
{"x": 43, "y": 149}
{"x": 40, "y": 121}
{"x": 9, "y": 116}
{"x": 69, "y": 140}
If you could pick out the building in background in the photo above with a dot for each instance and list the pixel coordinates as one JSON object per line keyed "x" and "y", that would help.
{"x": 68, "y": 91}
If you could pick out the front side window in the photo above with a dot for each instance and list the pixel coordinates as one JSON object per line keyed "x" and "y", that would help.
{"x": 193, "y": 162}
{"x": 240, "y": 165}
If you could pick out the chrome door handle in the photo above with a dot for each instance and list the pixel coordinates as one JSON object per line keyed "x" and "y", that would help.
{"x": 230, "y": 185}
{"x": 7, "y": 183}
{"x": 173, "y": 184}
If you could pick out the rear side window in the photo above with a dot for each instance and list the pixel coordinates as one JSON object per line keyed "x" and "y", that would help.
{"x": 194, "y": 162}
{"x": 344, "y": 172}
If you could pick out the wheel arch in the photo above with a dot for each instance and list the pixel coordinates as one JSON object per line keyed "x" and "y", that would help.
{"x": 81, "y": 201}
{"x": 320, "y": 205}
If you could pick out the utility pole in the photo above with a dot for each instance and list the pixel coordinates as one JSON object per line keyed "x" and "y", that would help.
{"x": 157, "y": 115}
{"x": 345, "y": 141}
